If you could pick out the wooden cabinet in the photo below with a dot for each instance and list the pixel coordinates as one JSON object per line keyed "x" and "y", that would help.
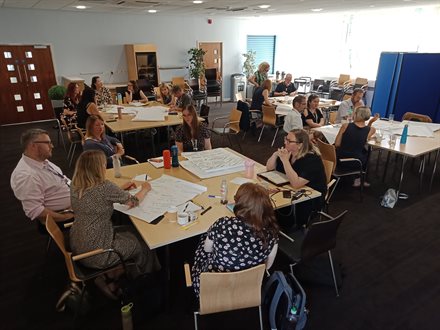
{"x": 142, "y": 63}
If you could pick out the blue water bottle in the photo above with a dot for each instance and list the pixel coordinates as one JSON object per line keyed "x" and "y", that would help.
{"x": 119, "y": 98}
{"x": 404, "y": 134}
{"x": 174, "y": 156}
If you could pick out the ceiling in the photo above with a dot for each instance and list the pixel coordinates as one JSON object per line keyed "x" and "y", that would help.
{"x": 236, "y": 8}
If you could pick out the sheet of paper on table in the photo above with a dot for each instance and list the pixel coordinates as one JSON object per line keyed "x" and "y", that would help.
{"x": 156, "y": 113}
{"x": 165, "y": 191}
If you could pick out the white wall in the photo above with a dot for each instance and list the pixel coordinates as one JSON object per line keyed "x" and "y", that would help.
{"x": 87, "y": 44}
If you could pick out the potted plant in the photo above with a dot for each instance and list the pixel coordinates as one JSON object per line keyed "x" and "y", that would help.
{"x": 249, "y": 63}
{"x": 196, "y": 64}
{"x": 56, "y": 94}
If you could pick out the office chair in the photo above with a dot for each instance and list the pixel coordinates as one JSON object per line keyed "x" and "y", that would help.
{"x": 222, "y": 292}
{"x": 319, "y": 237}
{"x": 232, "y": 127}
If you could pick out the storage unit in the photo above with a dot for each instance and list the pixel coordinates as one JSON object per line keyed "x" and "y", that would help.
{"x": 407, "y": 82}
{"x": 238, "y": 85}
{"x": 142, "y": 63}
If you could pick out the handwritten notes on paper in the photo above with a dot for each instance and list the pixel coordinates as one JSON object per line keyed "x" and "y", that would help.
{"x": 156, "y": 113}
{"x": 165, "y": 192}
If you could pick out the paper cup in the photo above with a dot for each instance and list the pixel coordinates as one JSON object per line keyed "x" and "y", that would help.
{"x": 182, "y": 218}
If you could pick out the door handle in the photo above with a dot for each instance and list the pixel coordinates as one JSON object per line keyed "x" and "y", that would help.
{"x": 25, "y": 73}
{"x": 19, "y": 73}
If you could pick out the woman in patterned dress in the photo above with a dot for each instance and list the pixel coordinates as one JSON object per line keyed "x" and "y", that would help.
{"x": 71, "y": 101}
{"x": 240, "y": 242}
{"x": 92, "y": 198}
{"x": 192, "y": 135}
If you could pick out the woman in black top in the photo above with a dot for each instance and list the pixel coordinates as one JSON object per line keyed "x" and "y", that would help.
{"x": 302, "y": 164}
{"x": 261, "y": 95}
{"x": 313, "y": 116}
{"x": 86, "y": 107}
{"x": 133, "y": 93}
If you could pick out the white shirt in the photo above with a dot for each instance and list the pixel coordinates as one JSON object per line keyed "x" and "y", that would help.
{"x": 292, "y": 121}
{"x": 38, "y": 185}
{"x": 343, "y": 109}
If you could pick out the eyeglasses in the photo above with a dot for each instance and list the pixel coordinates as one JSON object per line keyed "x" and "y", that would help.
{"x": 290, "y": 141}
{"x": 45, "y": 142}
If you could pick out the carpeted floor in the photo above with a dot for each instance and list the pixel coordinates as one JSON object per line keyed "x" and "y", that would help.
{"x": 388, "y": 258}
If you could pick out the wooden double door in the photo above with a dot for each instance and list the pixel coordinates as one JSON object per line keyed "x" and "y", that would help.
{"x": 26, "y": 74}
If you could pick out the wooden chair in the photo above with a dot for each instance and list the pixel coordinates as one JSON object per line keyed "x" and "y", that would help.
{"x": 179, "y": 81}
{"x": 412, "y": 116}
{"x": 328, "y": 152}
{"x": 318, "y": 238}
{"x": 78, "y": 273}
{"x": 74, "y": 138}
{"x": 331, "y": 182}
{"x": 269, "y": 119}
{"x": 232, "y": 127}
{"x": 222, "y": 292}
{"x": 332, "y": 117}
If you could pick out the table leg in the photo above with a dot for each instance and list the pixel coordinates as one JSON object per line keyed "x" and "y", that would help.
{"x": 404, "y": 159}
{"x": 386, "y": 166}
{"x": 421, "y": 172}
{"x": 433, "y": 169}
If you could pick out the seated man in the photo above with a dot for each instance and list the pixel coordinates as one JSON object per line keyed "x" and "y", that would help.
{"x": 347, "y": 107}
{"x": 285, "y": 87}
{"x": 294, "y": 119}
{"x": 39, "y": 184}
{"x": 182, "y": 99}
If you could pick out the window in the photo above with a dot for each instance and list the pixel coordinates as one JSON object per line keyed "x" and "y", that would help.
{"x": 264, "y": 46}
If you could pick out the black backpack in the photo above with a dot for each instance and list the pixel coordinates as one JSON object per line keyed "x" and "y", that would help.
{"x": 284, "y": 300}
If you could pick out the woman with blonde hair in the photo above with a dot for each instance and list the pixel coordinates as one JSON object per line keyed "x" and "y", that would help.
{"x": 92, "y": 198}
{"x": 301, "y": 162}
{"x": 164, "y": 95}
{"x": 192, "y": 135}
{"x": 247, "y": 239}
{"x": 260, "y": 75}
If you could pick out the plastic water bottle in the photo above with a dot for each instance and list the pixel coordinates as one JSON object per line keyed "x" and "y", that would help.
{"x": 292, "y": 319}
{"x": 404, "y": 136}
{"x": 119, "y": 99}
{"x": 116, "y": 165}
{"x": 127, "y": 321}
{"x": 174, "y": 156}
{"x": 224, "y": 192}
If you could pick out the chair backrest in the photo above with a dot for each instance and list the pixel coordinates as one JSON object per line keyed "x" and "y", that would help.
{"x": 317, "y": 83}
{"x": 204, "y": 112}
{"x": 269, "y": 116}
{"x": 328, "y": 152}
{"x": 412, "y": 116}
{"x": 220, "y": 292}
{"x": 179, "y": 81}
{"x": 332, "y": 117}
{"x": 343, "y": 78}
{"x": 58, "y": 236}
{"x": 359, "y": 82}
{"x": 234, "y": 118}
{"x": 320, "y": 237}
{"x": 121, "y": 90}
{"x": 328, "y": 167}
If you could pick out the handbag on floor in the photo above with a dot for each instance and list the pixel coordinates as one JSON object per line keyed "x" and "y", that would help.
{"x": 71, "y": 300}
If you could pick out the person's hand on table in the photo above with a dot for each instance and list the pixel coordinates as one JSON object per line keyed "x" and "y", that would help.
{"x": 146, "y": 186}
{"x": 128, "y": 185}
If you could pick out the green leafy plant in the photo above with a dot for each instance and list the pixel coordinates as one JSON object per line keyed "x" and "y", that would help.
{"x": 249, "y": 63}
{"x": 57, "y": 92}
{"x": 196, "y": 64}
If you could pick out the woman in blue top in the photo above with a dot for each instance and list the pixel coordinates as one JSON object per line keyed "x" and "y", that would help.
{"x": 96, "y": 139}
{"x": 261, "y": 95}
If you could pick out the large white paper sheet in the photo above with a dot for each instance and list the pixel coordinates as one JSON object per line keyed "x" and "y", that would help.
{"x": 165, "y": 191}
{"x": 151, "y": 114}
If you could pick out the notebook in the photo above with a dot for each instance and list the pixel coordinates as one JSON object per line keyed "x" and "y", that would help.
{"x": 274, "y": 177}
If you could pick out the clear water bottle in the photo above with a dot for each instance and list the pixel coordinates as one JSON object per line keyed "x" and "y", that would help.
{"x": 174, "y": 156}
{"x": 119, "y": 99}
{"x": 116, "y": 165}
{"x": 224, "y": 192}
{"x": 404, "y": 136}
{"x": 292, "y": 319}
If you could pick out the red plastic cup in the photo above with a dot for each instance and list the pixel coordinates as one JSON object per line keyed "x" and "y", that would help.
{"x": 166, "y": 159}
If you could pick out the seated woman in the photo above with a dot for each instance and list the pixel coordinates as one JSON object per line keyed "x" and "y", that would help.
{"x": 86, "y": 107}
{"x": 70, "y": 104}
{"x": 261, "y": 95}
{"x": 313, "y": 116}
{"x": 352, "y": 138}
{"x": 236, "y": 243}
{"x": 192, "y": 135}
{"x": 302, "y": 164}
{"x": 96, "y": 139}
{"x": 133, "y": 93}
{"x": 164, "y": 95}
{"x": 103, "y": 95}
{"x": 92, "y": 199}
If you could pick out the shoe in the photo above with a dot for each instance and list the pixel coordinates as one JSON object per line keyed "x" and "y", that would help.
{"x": 101, "y": 283}
{"x": 357, "y": 183}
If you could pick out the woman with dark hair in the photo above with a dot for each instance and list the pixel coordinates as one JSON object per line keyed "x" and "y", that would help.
{"x": 192, "y": 135}
{"x": 71, "y": 100}
{"x": 96, "y": 139}
{"x": 301, "y": 162}
{"x": 240, "y": 242}
{"x": 313, "y": 116}
{"x": 133, "y": 93}
{"x": 261, "y": 95}
{"x": 86, "y": 107}
{"x": 103, "y": 95}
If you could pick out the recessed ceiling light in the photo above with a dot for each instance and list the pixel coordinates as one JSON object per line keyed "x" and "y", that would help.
{"x": 316, "y": 9}
{"x": 152, "y": 11}
{"x": 197, "y": 2}
{"x": 80, "y": 7}
{"x": 264, "y": 6}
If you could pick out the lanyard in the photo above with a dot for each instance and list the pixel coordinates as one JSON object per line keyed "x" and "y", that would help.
{"x": 58, "y": 174}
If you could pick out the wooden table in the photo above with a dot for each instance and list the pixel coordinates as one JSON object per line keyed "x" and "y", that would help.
{"x": 168, "y": 231}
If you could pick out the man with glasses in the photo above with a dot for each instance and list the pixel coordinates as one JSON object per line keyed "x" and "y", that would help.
{"x": 294, "y": 119}
{"x": 39, "y": 184}
{"x": 285, "y": 87}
